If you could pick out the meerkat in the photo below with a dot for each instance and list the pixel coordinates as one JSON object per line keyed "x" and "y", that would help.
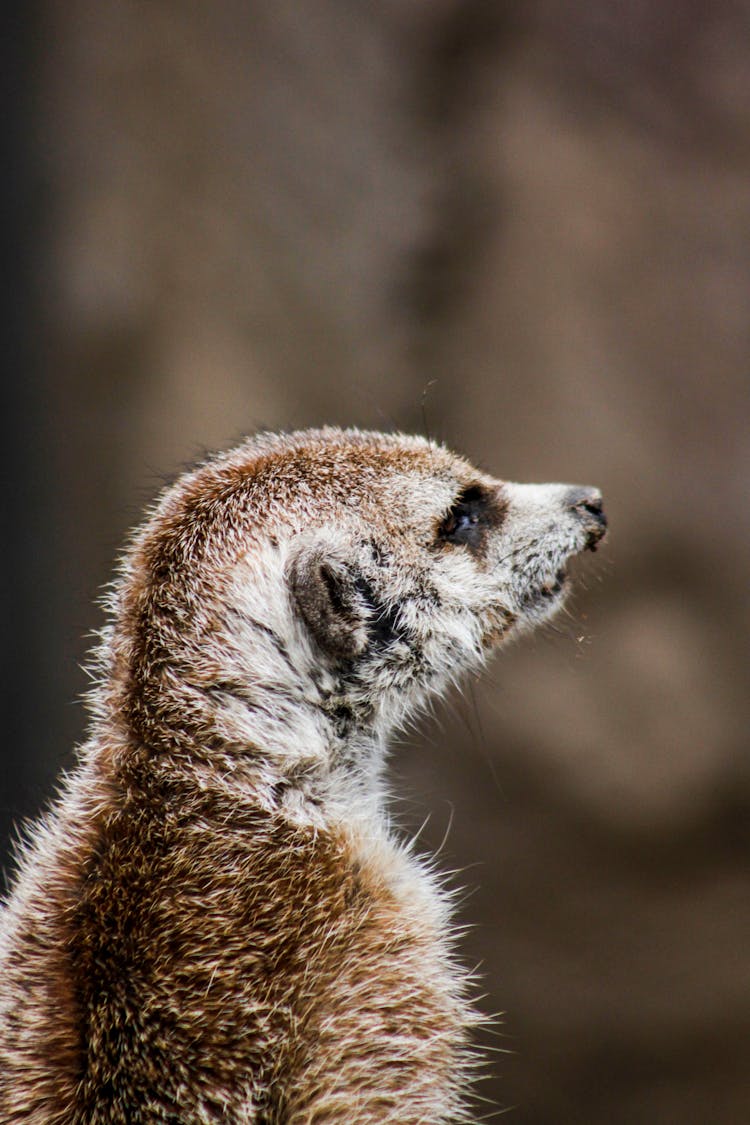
{"x": 215, "y": 922}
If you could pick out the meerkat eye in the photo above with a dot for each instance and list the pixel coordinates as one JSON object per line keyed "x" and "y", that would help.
{"x": 465, "y": 522}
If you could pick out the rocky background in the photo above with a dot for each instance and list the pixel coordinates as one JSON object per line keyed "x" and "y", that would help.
{"x": 525, "y": 229}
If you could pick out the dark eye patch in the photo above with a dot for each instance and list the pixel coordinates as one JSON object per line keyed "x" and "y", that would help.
{"x": 474, "y": 511}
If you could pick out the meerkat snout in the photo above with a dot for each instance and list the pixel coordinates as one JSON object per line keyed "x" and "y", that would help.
{"x": 216, "y": 921}
{"x": 588, "y": 505}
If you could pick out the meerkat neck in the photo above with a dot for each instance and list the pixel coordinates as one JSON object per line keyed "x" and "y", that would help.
{"x": 290, "y": 746}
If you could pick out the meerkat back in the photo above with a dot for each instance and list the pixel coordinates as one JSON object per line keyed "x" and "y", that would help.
{"x": 214, "y": 922}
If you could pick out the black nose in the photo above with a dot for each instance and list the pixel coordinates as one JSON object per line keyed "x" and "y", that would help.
{"x": 588, "y": 505}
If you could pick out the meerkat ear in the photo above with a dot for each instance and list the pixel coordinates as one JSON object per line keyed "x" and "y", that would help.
{"x": 327, "y": 596}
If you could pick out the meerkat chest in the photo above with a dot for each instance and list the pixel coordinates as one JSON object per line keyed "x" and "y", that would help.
{"x": 400, "y": 882}
{"x": 388, "y": 1010}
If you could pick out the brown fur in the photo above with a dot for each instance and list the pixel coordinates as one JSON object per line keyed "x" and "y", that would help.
{"x": 215, "y": 924}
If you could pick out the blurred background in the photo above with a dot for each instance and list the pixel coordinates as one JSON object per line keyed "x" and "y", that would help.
{"x": 525, "y": 229}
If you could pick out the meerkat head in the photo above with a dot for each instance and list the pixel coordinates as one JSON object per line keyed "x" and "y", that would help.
{"x": 290, "y": 602}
